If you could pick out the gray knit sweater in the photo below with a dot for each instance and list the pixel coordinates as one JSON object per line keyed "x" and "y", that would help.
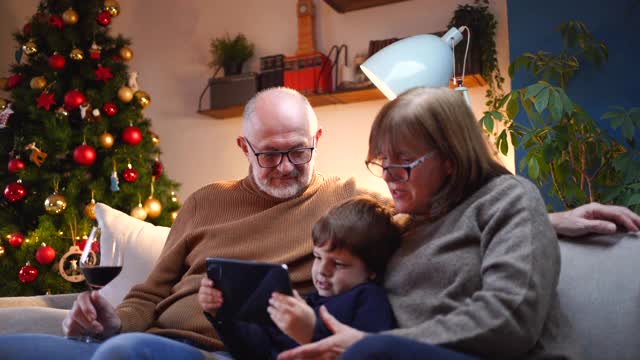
{"x": 482, "y": 279}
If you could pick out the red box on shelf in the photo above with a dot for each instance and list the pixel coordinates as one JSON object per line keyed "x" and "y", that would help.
{"x": 309, "y": 74}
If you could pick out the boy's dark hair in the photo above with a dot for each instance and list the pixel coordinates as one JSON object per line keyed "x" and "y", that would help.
{"x": 362, "y": 226}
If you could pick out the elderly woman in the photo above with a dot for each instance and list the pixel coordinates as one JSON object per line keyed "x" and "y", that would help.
{"x": 477, "y": 270}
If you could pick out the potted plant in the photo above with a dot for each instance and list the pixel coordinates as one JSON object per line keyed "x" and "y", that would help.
{"x": 565, "y": 147}
{"x": 482, "y": 58}
{"x": 230, "y": 53}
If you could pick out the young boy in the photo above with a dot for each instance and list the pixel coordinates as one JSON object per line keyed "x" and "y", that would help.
{"x": 352, "y": 245}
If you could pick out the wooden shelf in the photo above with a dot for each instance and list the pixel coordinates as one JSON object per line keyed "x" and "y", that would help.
{"x": 343, "y": 6}
{"x": 341, "y": 97}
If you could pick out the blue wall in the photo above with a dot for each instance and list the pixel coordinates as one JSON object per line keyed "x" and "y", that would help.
{"x": 532, "y": 26}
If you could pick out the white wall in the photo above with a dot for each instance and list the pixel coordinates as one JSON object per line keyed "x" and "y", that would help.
{"x": 171, "y": 52}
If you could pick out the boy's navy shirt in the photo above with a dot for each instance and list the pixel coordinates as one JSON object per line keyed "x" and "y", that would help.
{"x": 365, "y": 308}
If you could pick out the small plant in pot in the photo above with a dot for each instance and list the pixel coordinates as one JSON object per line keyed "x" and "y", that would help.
{"x": 230, "y": 53}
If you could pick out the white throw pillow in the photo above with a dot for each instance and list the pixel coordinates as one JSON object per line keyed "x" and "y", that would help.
{"x": 143, "y": 244}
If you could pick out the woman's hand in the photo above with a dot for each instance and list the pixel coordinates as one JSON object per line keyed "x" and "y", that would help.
{"x": 595, "y": 218}
{"x": 91, "y": 314}
{"x": 328, "y": 348}
{"x": 209, "y": 297}
{"x": 293, "y": 316}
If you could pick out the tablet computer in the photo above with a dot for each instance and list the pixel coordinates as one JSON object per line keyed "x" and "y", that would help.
{"x": 246, "y": 287}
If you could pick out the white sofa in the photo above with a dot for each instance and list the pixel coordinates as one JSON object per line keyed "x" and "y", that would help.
{"x": 599, "y": 287}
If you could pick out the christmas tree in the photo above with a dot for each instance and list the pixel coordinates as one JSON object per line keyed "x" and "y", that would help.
{"x": 72, "y": 133}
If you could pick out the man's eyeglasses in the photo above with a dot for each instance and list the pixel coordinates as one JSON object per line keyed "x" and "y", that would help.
{"x": 271, "y": 159}
{"x": 396, "y": 172}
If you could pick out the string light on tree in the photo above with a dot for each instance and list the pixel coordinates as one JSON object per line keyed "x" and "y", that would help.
{"x": 2, "y": 251}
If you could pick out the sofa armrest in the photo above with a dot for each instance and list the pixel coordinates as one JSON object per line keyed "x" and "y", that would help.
{"x": 62, "y": 301}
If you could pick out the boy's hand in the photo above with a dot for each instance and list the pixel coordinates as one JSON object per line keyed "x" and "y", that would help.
{"x": 209, "y": 297}
{"x": 293, "y": 316}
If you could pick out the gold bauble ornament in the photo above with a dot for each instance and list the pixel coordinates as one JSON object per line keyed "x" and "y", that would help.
{"x": 38, "y": 82}
{"x": 3, "y": 104}
{"x": 4, "y": 83}
{"x": 90, "y": 210}
{"x": 106, "y": 140}
{"x": 153, "y": 207}
{"x": 174, "y": 215}
{"x": 76, "y": 54}
{"x": 125, "y": 94}
{"x": 142, "y": 99}
{"x": 30, "y": 48}
{"x": 70, "y": 16}
{"x": 155, "y": 139}
{"x": 139, "y": 212}
{"x": 126, "y": 53}
{"x": 112, "y": 7}
{"x": 55, "y": 204}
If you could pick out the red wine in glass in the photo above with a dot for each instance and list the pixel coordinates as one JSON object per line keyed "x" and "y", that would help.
{"x": 99, "y": 276}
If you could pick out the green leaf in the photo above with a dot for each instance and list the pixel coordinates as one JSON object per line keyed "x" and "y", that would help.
{"x": 542, "y": 99}
{"x": 634, "y": 200}
{"x": 513, "y": 108}
{"x": 555, "y": 106}
{"x": 534, "y": 168}
{"x": 533, "y": 90}
{"x": 487, "y": 122}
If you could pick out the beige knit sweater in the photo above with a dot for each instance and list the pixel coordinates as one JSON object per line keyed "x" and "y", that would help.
{"x": 231, "y": 219}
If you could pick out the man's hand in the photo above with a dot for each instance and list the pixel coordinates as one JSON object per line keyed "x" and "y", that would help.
{"x": 91, "y": 315}
{"x": 328, "y": 348}
{"x": 293, "y": 316}
{"x": 209, "y": 297}
{"x": 595, "y": 218}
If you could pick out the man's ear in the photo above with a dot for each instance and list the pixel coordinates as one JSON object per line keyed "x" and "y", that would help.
{"x": 242, "y": 145}
{"x": 318, "y": 135}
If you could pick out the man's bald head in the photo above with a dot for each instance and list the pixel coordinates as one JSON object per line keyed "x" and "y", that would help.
{"x": 275, "y": 109}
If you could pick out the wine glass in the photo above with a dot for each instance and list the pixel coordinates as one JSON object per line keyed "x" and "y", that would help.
{"x": 99, "y": 269}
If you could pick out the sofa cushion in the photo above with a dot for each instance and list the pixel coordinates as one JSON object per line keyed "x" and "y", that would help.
{"x": 599, "y": 288}
{"x": 41, "y": 320}
{"x": 143, "y": 244}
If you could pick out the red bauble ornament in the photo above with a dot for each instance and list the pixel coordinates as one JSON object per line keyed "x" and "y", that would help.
{"x": 132, "y": 135}
{"x": 156, "y": 169}
{"x": 26, "y": 29}
{"x": 57, "y": 61}
{"x": 130, "y": 175}
{"x": 15, "y": 165}
{"x": 110, "y": 109}
{"x": 73, "y": 99}
{"x": 56, "y": 21}
{"x": 15, "y": 192}
{"x": 84, "y": 155}
{"x": 95, "y": 246}
{"x": 16, "y": 239}
{"x": 104, "y": 18}
{"x": 27, "y": 273}
{"x": 45, "y": 254}
{"x": 14, "y": 80}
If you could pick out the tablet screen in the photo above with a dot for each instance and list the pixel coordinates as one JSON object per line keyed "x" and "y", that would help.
{"x": 246, "y": 287}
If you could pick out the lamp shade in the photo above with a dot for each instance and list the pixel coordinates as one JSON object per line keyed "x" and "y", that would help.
{"x": 420, "y": 60}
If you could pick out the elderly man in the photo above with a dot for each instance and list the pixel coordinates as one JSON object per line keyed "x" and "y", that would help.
{"x": 267, "y": 216}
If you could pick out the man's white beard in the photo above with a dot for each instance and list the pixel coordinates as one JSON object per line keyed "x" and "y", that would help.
{"x": 295, "y": 189}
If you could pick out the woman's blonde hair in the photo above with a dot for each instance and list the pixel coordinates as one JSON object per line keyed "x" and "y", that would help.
{"x": 441, "y": 120}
